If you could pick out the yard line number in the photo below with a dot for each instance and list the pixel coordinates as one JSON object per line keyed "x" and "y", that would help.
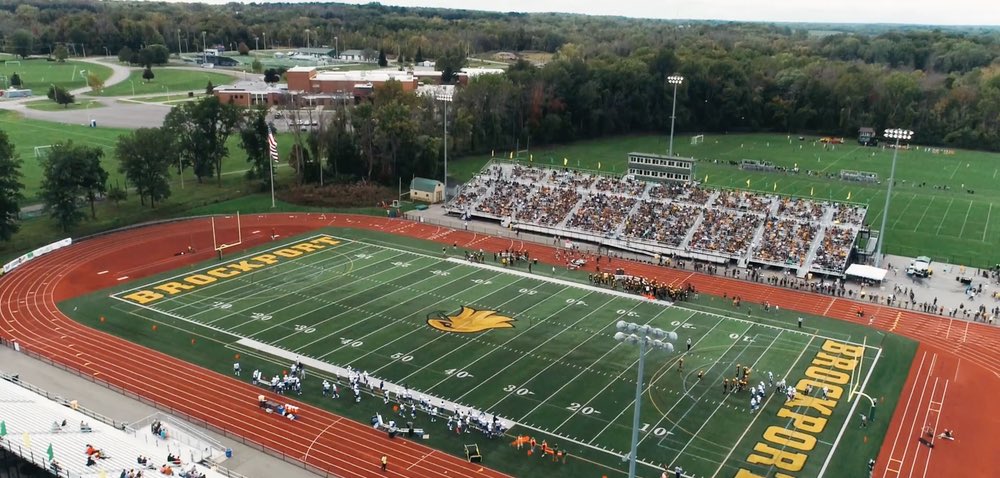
{"x": 683, "y": 325}
{"x": 457, "y": 373}
{"x": 576, "y": 407}
{"x": 305, "y": 329}
{"x": 521, "y": 391}
{"x": 745, "y": 338}
{"x": 351, "y": 342}
{"x": 658, "y": 431}
{"x": 401, "y": 357}
{"x": 260, "y": 316}
{"x": 221, "y": 305}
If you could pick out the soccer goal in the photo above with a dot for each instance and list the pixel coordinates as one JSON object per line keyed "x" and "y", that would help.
{"x": 699, "y": 139}
{"x": 42, "y": 152}
{"x": 222, "y": 229}
{"x": 12, "y": 63}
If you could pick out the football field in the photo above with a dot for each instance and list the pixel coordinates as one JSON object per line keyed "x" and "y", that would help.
{"x": 534, "y": 348}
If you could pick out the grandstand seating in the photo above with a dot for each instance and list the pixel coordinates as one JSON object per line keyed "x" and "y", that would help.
{"x": 30, "y": 421}
{"x": 677, "y": 219}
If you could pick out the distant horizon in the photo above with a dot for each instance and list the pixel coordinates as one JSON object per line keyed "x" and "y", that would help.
{"x": 957, "y": 13}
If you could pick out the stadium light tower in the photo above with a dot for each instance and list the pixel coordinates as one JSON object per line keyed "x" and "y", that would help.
{"x": 445, "y": 96}
{"x": 673, "y": 80}
{"x": 898, "y": 135}
{"x": 646, "y": 338}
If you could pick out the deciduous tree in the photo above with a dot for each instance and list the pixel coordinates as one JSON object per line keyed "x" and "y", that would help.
{"x": 145, "y": 156}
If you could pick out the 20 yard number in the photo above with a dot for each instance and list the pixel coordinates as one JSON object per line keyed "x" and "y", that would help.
{"x": 576, "y": 407}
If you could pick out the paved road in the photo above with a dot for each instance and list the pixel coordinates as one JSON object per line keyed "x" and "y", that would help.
{"x": 113, "y": 113}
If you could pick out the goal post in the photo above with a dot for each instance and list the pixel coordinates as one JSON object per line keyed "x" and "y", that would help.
{"x": 216, "y": 242}
{"x": 42, "y": 152}
{"x": 698, "y": 139}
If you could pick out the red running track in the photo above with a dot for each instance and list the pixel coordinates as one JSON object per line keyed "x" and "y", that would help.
{"x": 961, "y": 374}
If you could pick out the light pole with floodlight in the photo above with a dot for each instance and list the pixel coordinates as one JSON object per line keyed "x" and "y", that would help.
{"x": 204, "y": 49}
{"x": 445, "y": 97}
{"x": 645, "y": 337}
{"x": 673, "y": 80}
{"x": 898, "y": 135}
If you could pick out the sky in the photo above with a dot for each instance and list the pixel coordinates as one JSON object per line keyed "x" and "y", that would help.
{"x": 925, "y": 12}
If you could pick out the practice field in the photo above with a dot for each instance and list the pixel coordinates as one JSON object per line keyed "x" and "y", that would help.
{"x": 942, "y": 203}
{"x": 37, "y": 74}
{"x": 533, "y": 348}
{"x": 171, "y": 82}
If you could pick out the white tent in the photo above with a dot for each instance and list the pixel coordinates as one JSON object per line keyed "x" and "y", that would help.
{"x": 866, "y": 272}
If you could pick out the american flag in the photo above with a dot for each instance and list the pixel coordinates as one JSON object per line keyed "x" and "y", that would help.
{"x": 273, "y": 145}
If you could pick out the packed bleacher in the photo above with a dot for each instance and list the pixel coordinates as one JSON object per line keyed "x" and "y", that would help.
{"x": 672, "y": 218}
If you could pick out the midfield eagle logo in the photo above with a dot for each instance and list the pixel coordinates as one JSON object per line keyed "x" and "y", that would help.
{"x": 469, "y": 321}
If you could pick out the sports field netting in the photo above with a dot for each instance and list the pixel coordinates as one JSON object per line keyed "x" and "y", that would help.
{"x": 552, "y": 368}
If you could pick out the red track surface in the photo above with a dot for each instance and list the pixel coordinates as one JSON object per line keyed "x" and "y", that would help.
{"x": 955, "y": 373}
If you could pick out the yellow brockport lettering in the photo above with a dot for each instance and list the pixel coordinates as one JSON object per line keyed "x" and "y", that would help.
{"x": 784, "y": 460}
{"x": 156, "y": 292}
{"x": 790, "y": 438}
{"x": 803, "y": 422}
{"x": 827, "y": 375}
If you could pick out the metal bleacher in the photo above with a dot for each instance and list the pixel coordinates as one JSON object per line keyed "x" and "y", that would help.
{"x": 31, "y": 425}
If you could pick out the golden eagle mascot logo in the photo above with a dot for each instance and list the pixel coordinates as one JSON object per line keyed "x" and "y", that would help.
{"x": 469, "y": 321}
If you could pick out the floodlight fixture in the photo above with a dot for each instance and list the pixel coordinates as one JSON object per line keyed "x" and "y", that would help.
{"x": 899, "y": 134}
{"x": 675, "y": 79}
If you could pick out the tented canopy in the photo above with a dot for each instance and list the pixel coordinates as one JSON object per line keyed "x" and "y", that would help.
{"x": 866, "y": 272}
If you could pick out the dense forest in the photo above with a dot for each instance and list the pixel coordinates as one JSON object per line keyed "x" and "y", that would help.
{"x": 606, "y": 76}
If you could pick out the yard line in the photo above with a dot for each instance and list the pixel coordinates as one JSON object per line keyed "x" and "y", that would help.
{"x": 987, "y": 228}
{"x": 956, "y": 170}
{"x": 760, "y": 411}
{"x": 372, "y": 315}
{"x": 439, "y": 336}
{"x": 617, "y": 318}
{"x": 739, "y": 440}
{"x": 536, "y": 324}
{"x": 697, "y": 401}
{"x": 903, "y": 212}
{"x": 294, "y": 303}
{"x": 945, "y": 216}
{"x": 937, "y": 420}
{"x": 631, "y": 404}
{"x": 199, "y": 299}
{"x": 613, "y": 379}
{"x": 456, "y": 349}
{"x": 843, "y": 428}
{"x": 966, "y": 221}
{"x": 924, "y": 214}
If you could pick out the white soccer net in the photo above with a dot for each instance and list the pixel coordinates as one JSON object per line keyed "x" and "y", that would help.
{"x": 698, "y": 139}
{"x": 42, "y": 152}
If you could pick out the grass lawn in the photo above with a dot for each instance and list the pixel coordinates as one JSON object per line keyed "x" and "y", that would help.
{"x": 370, "y": 300}
{"x": 167, "y": 82}
{"x": 49, "y": 105}
{"x": 951, "y": 225}
{"x": 38, "y": 74}
{"x": 26, "y": 134}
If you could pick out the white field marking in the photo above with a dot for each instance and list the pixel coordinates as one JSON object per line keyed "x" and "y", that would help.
{"x": 440, "y": 336}
{"x": 947, "y": 334}
{"x": 697, "y": 400}
{"x": 994, "y": 174}
{"x": 966, "y": 221}
{"x": 123, "y": 278}
{"x": 213, "y": 266}
{"x": 965, "y": 336}
{"x": 759, "y": 410}
{"x": 578, "y": 285}
{"x": 568, "y": 352}
{"x": 906, "y": 409}
{"x": 263, "y": 287}
{"x": 716, "y": 363}
{"x": 456, "y": 349}
{"x": 593, "y": 447}
{"x": 536, "y": 324}
{"x": 956, "y": 170}
{"x": 645, "y": 391}
{"x": 342, "y": 373}
{"x": 370, "y": 315}
{"x": 901, "y": 213}
{"x": 850, "y": 414}
{"x": 937, "y": 420}
{"x": 197, "y": 300}
{"x": 844, "y": 339}
{"x": 945, "y": 216}
{"x": 102, "y": 273}
{"x": 175, "y": 316}
{"x": 305, "y": 457}
{"x": 842, "y": 156}
{"x": 420, "y": 460}
{"x": 294, "y": 303}
{"x": 417, "y": 329}
{"x": 924, "y": 214}
{"x": 614, "y": 379}
{"x": 587, "y": 368}
{"x": 987, "y": 228}
{"x": 327, "y": 303}
{"x": 959, "y": 364}
{"x": 739, "y": 440}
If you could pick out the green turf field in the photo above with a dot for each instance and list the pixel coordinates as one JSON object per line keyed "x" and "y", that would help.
{"x": 169, "y": 82}
{"x": 950, "y": 225}
{"x": 50, "y": 105}
{"x": 372, "y": 301}
{"x": 38, "y": 74}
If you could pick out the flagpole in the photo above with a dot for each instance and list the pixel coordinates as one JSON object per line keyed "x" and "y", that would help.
{"x": 270, "y": 163}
